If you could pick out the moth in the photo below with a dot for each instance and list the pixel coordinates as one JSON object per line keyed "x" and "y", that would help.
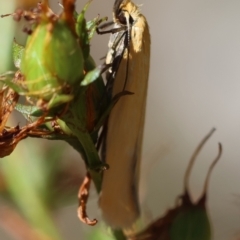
{"x": 129, "y": 58}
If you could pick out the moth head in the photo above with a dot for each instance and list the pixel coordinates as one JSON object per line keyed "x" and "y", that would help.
{"x": 121, "y": 13}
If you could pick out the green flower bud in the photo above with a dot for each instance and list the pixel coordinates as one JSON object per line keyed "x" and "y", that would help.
{"x": 53, "y": 60}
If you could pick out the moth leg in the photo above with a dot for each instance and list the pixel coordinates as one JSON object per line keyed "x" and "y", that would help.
{"x": 106, "y": 24}
{"x": 113, "y": 30}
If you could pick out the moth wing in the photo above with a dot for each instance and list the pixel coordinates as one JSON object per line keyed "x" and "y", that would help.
{"x": 119, "y": 196}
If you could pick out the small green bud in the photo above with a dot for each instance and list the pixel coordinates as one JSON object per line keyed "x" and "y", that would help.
{"x": 53, "y": 60}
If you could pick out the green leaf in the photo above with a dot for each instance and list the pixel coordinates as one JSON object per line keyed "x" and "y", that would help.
{"x": 27, "y": 111}
{"x": 15, "y": 86}
{"x": 82, "y": 32}
{"x": 92, "y": 76}
{"x": 59, "y": 99}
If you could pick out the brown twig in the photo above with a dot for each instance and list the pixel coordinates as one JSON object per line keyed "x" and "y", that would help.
{"x": 83, "y": 194}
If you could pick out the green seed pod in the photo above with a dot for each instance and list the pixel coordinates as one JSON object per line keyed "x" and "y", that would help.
{"x": 191, "y": 222}
{"x": 53, "y": 60}
{"x": 188, "y": 220}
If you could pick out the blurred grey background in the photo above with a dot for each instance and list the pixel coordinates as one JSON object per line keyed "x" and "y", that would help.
{"x": 194, "y": 85}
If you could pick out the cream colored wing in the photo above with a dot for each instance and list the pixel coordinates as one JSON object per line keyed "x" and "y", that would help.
{"x": 119, "y": 196}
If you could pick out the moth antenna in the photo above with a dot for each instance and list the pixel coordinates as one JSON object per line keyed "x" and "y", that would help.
{"x": 128, "y": 46}
{"x": 128, "y": 27}
{"x": 193, "y": 158}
